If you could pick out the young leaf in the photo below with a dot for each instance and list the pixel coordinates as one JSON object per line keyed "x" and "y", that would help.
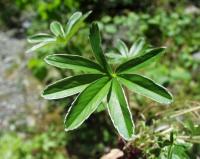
{"x": 122, "y": 48}
{"x": 113, "y": 55}
{"x": 72, "y": 20}
{"x": 137, "y": 47}
{"x": 115, "y": 58}
{"x": 73, "y": 62}
{"x": 37, "y": 46}
{"x": 140, "y": 61}
{"x": 86, "y": 15}
{"x": 95, "y": 40}
{"x": 146, "y": 87}
{"x": 41, "y": 37}
{"x": 119, "y": 111}
{"x": 77, "y": 26}
{"x": 86, "y": 103}
{"x": 69, "y": 86}
{"x": 57, "y": 29}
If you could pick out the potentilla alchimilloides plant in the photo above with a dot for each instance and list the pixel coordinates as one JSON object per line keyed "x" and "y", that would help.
{"x": 101, "y": 82}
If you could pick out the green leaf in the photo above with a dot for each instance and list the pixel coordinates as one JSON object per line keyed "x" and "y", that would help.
{"x": 69, "y": 86}
{"x": 73, "y": 62}
{"x": 139, "y": 62}
{"x": 57, "y": 29}
{"x": 146, "y": 87}
{"x": 77, "y": 26}
{"x": 35, "y": 47}
{"x": 72, "y": 20}
{"x": 95, "y": 40}
{"x": 40, "y": 37}
{"x": 137, "y": 47}
{"x": 86, "y": 103}
{"x": 119, "y": 112}
{"x": 122, "y": 48}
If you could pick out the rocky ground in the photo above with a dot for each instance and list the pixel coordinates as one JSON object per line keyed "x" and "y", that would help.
{"x": 19, "y": 91}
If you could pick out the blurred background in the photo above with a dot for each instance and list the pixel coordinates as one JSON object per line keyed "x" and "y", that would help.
{"x": 32, "y": 128}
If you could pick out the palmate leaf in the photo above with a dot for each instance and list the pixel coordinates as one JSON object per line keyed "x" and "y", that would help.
{"x": 95, "y": 40}
{"x": 73, "y": 25}
{"x": 69, "y": 86}
{"x": 140, "y": 61}
{"x": 73, "y": 62}
{"x": 119, "y": 111}
{"x": 40, "y": 37}
{"x": 57, "y": 29}
{"x": 93, "y": 88}
{"x": 146, "y": 87}
{"x": 86, "y": 103}
{"x": 138, "y": 48}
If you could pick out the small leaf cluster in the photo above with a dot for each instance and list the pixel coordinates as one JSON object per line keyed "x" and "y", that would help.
{"x": 60, "y": 33}
{"x": 122, "y": 53}
{"x": 102, "y": 81}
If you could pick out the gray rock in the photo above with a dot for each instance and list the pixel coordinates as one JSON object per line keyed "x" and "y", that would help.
{"x": 19, "y": 91}
{"x": 196, "y": 55}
